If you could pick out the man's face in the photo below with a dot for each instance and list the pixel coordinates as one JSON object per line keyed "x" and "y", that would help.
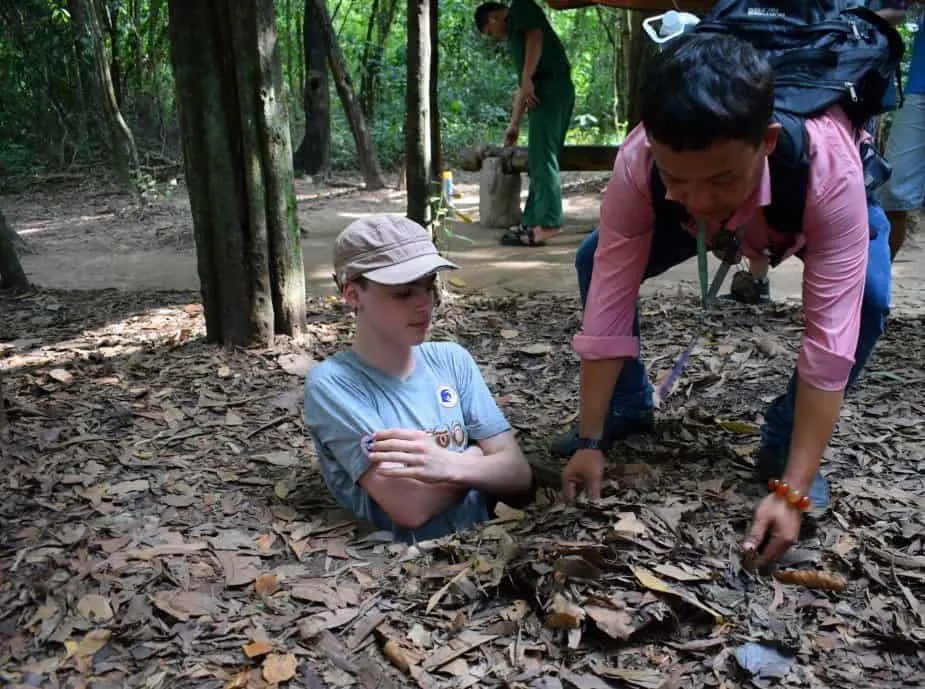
{"x": 712, "y": 184}
{"x": 397, "y": 315}
{"x": 496, "y": 26}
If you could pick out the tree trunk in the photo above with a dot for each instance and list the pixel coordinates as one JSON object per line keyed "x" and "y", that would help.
{"x": 367, "y": 98}
{"x": 290, "y": 48}
{"x": 366, "y": 151}
{"x": 622, "y": 66}
{"x": 373, "y": 52}
{"x": 300, "y": 44}
{"x": 115, "y": 67}
{"x": 417, "y": 112}
{"x": 121, "y": 141}
{"x": 436, "y": 146}
{"x": 237, "y": 154}
{"x": 499, "y": 195}
{"x": 642, "y": 49}
{"x": 12, "y": 276}
{"x": 314, "y": 153}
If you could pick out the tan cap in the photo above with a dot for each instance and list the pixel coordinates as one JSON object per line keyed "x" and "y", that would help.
{"x": 389, "y": 249}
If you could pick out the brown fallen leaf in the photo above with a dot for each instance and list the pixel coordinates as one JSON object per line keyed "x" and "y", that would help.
{"x": 279, "y": 667}
{"x": 644, "y": 679}
{"x": 565, "y": 614}
{"x": 182, "y": 605}
{"x": 583, "y": 680}
{"x": 653, "y": 583}
{"x": 60, "y": 375}
{"x": 256, "y": 649}
{"x": 166, "y": 549}
{"x": 683, "y": 573}
{"x": 536, "y": 349}
{"x": 266, "y": 584}
{"x": 95, "y": 608}
{"x": 296, "y": 364}
{"x": 394, "y": 652}
{"x": 281, "y": 458}
{"x": 126, "y": 487}
{"x": 438, "y": 596}
{"x": 88, "y": 646}
{"x": 239, "y": 570}
{"x": 266, "y": 541}
{"x": 617, "y": 624}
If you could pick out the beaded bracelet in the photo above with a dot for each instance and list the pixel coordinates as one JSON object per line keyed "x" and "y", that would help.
{"x": 791, "y": 495}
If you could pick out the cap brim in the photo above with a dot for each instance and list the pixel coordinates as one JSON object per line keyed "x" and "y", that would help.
{"x": 410, "y": 270}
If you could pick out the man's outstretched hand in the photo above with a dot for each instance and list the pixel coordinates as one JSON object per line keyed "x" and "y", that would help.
{"x": 511, "y": 134}
{"x": 585, "y": 470}
{"x": 779, "y": 521}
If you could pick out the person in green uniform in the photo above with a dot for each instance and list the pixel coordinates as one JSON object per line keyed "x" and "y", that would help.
{"x": 546, "y": 92}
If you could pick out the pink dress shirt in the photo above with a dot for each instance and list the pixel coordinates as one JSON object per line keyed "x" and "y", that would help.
{"x": 835, "y": 241}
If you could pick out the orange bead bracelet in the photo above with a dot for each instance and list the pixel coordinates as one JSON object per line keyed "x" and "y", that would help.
{"x": 791, "y": 495}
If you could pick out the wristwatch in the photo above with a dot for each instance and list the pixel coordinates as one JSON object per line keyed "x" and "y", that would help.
{"x": 589, "y": 444}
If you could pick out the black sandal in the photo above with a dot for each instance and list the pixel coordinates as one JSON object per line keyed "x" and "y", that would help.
{"x": 515, "y": 237}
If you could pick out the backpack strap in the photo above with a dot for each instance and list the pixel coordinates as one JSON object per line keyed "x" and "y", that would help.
{"x": 667, "y": 212}
{"x": 788, "y": 167}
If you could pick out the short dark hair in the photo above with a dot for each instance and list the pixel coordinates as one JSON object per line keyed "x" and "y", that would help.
{"x": 706, "y": 88}
{"x": 483, "y": 12}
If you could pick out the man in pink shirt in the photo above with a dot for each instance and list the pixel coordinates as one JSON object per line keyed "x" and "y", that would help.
{"x": 707, "y": 130}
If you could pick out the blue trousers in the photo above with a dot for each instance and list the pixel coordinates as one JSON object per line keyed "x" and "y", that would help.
{"x": 671, "y": 245}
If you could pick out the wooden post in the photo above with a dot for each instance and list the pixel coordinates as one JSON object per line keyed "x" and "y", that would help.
{"x": 499, "y": 195}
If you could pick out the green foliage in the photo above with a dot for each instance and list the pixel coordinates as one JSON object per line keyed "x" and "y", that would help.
{"x": 50, "y": 117}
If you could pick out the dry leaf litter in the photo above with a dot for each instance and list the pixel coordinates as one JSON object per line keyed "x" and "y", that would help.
{"x": 164, "y": 524}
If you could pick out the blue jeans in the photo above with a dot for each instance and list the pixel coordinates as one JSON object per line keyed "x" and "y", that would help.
{"x": 671, "y": 245}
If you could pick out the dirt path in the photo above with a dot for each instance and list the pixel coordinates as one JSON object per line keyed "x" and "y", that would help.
{"x": 86, "y": 238}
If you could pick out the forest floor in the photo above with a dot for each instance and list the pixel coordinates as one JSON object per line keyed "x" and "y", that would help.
{"x": 163, "y": 523}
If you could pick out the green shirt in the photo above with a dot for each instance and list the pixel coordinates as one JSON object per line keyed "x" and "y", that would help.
{"x": 525, "y": 16}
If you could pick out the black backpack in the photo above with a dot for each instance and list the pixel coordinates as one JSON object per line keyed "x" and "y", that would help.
{"x": 822, "y": 53}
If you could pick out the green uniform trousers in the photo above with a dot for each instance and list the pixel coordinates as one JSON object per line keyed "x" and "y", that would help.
{"x": 548, "y": 124}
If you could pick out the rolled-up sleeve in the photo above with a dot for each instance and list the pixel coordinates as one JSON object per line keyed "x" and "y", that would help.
{"x": 624, "y": 242}
{"x": 835, "y": 260}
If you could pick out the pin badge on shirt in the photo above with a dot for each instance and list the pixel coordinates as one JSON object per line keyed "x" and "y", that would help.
{"x": 447, "y": 396}
{"x": 366, "y": 442}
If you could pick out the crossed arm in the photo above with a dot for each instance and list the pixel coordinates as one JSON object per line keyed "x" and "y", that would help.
{"x": 413, "y": 480}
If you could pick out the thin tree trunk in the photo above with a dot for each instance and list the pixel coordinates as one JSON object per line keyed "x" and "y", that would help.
{"x": 237, "y": 156}
{"x": 134, "y": 10}
{"x": 371, "y": 66}
{"x": 436, "y": 146}
{"x": 366, "y": 150}
{"x": 300, "y": 38}
{"x": 121, "y": 141}
{"x": 641, "y": 51}
{"x": 622, "y": 66}
{"x": 366, "y": 68}
{"x": 154, "y": 19}
{"x": 12, "y": 276}
{"x": 112, "y": 28}
{"x": 314, "y": 153}
{"x": 417, "y": 113}
{"x": 290, "y": 49}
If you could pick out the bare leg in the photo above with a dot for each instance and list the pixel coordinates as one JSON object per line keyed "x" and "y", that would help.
{"x": 898, "y": 221}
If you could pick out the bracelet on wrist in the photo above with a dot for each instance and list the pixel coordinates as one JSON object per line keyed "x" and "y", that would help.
{"x": 793, "y": 497}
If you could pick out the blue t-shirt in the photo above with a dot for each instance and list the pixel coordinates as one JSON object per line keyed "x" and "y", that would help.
{"x": 347, "y": 400}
